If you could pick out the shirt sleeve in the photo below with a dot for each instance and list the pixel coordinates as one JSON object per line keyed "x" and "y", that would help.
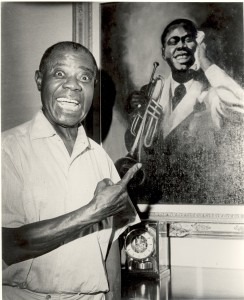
{"x": 225, "y": 98}
{"x": 13, "y": 214}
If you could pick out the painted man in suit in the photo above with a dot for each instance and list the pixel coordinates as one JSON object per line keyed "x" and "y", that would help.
{"x": 198, "y": 155}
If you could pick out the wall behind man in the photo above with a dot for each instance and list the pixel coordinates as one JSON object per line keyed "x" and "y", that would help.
{"x": 28, "y": 29}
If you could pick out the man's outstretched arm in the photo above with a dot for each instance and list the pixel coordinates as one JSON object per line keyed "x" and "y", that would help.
{"x": 38, "y": 238}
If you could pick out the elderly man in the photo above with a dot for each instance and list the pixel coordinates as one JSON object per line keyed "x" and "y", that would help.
{"x": 63, "y": 203}
{"x": 197, "y": 157}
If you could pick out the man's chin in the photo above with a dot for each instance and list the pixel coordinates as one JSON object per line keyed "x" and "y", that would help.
{"x": 66, "y": 122}
{"x": 69, "y": 123}
{"x": 182, "y": 67}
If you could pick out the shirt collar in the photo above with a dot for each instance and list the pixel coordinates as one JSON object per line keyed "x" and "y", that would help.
{"x": 42, "y": 128}
{"x": 174, "y": 84}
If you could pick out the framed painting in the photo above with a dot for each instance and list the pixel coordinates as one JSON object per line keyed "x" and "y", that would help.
{"x": 194, "y": 154}
{"x": 129, "y": 44}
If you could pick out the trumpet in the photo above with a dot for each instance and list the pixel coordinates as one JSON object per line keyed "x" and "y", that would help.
{"x": 144, "y": 128}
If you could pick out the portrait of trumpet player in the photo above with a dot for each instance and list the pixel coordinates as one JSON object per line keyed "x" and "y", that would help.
{"x": 185, "y": 123}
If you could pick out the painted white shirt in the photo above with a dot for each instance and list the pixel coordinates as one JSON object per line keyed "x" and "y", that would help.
{"x": 41, "y": 181}
{"x": 223, "y": 95}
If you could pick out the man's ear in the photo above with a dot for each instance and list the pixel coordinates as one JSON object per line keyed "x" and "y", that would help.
{"x": 95, "y": 82}
{"x": 163, "y": 51}
{"x": 38, "y": 79}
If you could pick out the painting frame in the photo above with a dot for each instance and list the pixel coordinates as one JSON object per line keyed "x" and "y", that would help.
{"x": 82, "y": 23}
{"x": 85, "y": 31}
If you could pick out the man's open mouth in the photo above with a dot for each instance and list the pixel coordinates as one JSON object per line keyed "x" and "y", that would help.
{"x": 67, "y": 103}
{"x": 181, "y": 57}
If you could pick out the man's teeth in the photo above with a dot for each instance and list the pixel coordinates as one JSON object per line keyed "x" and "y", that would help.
{"x": 182, "y": 56}
{"x": 67, "y": 100}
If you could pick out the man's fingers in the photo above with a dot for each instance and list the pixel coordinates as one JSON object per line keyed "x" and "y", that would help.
{"x": 130, "y": 173}
{"x": 102, "y": 184}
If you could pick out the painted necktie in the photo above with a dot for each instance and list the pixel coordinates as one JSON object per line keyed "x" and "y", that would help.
{"x": 179, "y": 93}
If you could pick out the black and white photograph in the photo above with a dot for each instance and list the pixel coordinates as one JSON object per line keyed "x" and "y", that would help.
{"x": 122, "y": 133}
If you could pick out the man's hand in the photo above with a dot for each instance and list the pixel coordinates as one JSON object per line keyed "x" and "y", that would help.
{"x": 110, "y": 199}
{"x": 137, "y": 102}
{"x": 205, "y": 62}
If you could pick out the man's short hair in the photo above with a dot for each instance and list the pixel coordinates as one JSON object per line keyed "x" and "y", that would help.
{"x": 187, "y": 24}
{"x": 64, "y": 46}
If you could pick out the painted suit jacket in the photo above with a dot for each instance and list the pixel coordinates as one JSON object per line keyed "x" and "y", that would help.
{"x": 199, "y": 154}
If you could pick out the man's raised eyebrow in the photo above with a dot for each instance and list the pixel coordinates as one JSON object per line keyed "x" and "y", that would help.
{"x": 87, "y": 69}
{"x": 81, "y": 67}
{"x": 52, "y": 67}
{"x": 57, "y": 65}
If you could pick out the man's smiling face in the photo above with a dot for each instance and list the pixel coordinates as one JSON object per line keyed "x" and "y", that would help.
{"x": 179, "y": 48}
{"x": 67, "y": 86}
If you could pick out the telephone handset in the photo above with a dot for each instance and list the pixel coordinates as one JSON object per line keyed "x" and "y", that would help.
{"x": 199, "y": 39}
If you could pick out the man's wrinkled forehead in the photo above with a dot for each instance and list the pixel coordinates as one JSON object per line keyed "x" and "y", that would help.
{"x": 59, "y": 55}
